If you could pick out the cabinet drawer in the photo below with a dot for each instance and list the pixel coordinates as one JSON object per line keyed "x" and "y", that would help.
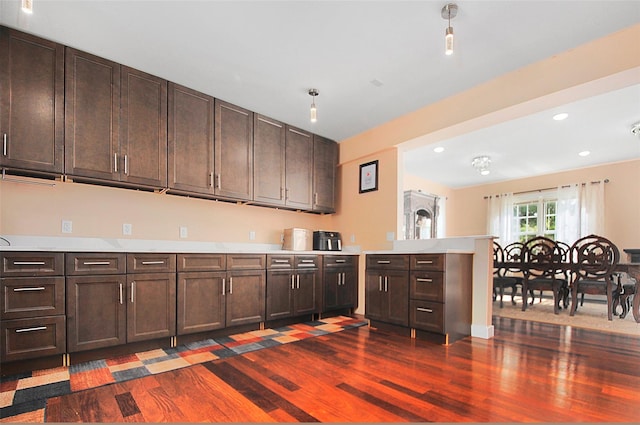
{"x": 30, "y": 338}
{"x": 427, "y": 286}
{"x": 280, "y": 261}
{"x": 338, "y": 260}
{"x": 201, "y": 262}
{"x": 427, "y": 262}
{"x": 246, "y": 261}
{"x": 95, "y": 263}
{"x": 307, "y": 261}
{"x": 390, "y": 261}
{"x": 32, "y": 297}
{"x": 151, "y": 263}
{"x": 32, "y": 264}
{"x": 427, "y": 316}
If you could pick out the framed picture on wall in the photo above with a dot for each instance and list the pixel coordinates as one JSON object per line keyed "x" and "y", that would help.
{"x": 369, "y": 176}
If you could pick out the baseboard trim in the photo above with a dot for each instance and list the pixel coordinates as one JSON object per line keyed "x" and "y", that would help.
{"x": 481, "y": 331}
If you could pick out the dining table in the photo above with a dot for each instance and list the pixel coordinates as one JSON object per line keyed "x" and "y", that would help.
{"x": 633, "y": 270}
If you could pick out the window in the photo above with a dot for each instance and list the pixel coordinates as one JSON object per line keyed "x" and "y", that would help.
{"x": 535, "y": 218}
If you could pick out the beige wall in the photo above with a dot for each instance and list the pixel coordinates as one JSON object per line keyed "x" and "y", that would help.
{"x": 98, "y": 211}
{"x": 467, "y": 214}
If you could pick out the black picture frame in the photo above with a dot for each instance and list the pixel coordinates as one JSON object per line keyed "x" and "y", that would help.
{"x": 369, "y": 176}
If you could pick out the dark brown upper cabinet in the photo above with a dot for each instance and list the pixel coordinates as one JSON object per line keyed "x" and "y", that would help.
{"x": 325, "y": 162}
{"x": 233, "y": 173}
{"x": 269, "y": 161}
{"x": 191, "y": 141}
{"x": 299, "y": 168}
{"x": 115, "y": 122}
{"x": 31, "y": 103}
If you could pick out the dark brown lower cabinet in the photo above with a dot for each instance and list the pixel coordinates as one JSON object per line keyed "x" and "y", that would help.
{"x": 340, "y": 282}
{"x": 387, "y": 296}
{"x": 293, "y": 286}
{"x": 245, "y": 297}
{"x": 201, "y": 303}
{"x": 109, "y": 310}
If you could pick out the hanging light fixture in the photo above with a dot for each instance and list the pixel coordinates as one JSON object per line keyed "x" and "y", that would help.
{"x": 449, "y": 11}
{"x": 481, "y": 164}
{"x": 313, "y": 111}
{"x": 27, "y": 6}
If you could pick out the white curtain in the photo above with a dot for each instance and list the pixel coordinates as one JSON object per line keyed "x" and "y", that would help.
{"x": 441, "y": 222}
{"x": 592, "y": 208}
{"x": 500, "y": 218}
{"x": 568, "y": 214}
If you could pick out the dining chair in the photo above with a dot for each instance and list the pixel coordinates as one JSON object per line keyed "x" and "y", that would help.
{"x": 594, "y": 259}
{"x": 543, "y": 267}
{"x": 565, "y": 274}
{"x": 500, "y": 278}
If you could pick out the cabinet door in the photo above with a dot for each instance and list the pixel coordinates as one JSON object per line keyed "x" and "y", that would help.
{"x": 23, "y": 339}
{"x": 269, "y": 161}
{"x": 151, "y": 306}
{"x": 325, "y": 162}
{"x": 396, "y": 302}
{"x": 299, "y": 168}
{"x": 191, "y": 137}
{"x": 200, "y": 302}
{"x": 143, "y": 128}
{"x": 245, "y": 295}
{"x": 348, "y": 290}
{"x": 280, "y": 285}
{"x": 374, "y": 295}
{"x": 96, "y": 312}
{"x": 233, "y": 152}
{"x": 332, "y": 281}
{"x": 31, "y": 102}
{"x": 92, "y": 109}
{"x": 305, "y": 294}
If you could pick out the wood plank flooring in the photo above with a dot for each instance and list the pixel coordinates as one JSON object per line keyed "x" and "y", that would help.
{"x": 528, "y": 372}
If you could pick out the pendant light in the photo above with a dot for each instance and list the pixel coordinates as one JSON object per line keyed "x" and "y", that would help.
{"x": 313, "y": 111}
{"x": 449, "y": 11}
{"x": 27, "y": 6}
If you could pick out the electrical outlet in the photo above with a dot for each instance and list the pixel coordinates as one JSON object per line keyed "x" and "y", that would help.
{"x": 252, "y": 235}
{"x": 391, "y": 236}
{"x": 353, "y": 238}
{"x": 183, "y": 232}
{"x": 67, "y": 226}
{"x": 127, "y": 229}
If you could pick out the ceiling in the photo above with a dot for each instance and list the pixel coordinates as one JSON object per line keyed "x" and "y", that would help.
{"x": 371, "y": 61}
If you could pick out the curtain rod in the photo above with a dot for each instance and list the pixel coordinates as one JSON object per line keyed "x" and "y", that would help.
{"x": 549, "y": 188}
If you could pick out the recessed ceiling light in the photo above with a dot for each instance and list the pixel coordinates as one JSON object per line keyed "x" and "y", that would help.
{"x": 561, "y": 116}
{"x": 438, "y": 149}
{"x": 584, "y": 153}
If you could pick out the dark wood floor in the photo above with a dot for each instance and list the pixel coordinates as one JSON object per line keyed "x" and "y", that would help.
{"x": 528, "y": 372}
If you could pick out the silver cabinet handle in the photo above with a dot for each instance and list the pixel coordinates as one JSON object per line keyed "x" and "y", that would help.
{"x": 230, "y": 286}
{"x": 28, "y": 263}
{"x": 308, "y": 261}
{"x": 379, "y": 283}
{"x": 37, "y": 288}
{"x": 95, "y": 263}
{"x": 149, "y": 263}
{"x": 126, "y": 165}
{"x": 425, "y": 262}
{"x": 422, "y": 279}
{"x": 424, "y": 310}
{"x": 120, "y": 293}
{"x": 280, "y": 261}
{"x": 384, "y": 262}
{"x": 115, "y": 162}
{"x": 315, "y": 198}
{"x": 292, "y": 281}
{"x": 286, "y": 194}
{"x": 4, "y": 144}
{"x": 218, "y": 181}
{"x": 344, "y": 278}
{"x": 133, "y": 289}
{"x": 39, "y": 328}
{"x": 211, "y": 179}
{"x": 298, "y": 282}
{"x": 223, "y": 285}
{"x": 386, "y": 284}
{"x": 341, "y": 261}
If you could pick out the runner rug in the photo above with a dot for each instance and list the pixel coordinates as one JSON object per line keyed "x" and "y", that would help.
{"x": 28, "y": 392}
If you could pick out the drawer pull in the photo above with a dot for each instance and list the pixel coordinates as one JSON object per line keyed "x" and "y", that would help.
{"x": 424, "y": 310}
{"x": 425, "y": 261}
{"x": 28, "y": 263}
{"x": 281, "y": 261}
{"x": 39, "y": 328}
{"x": 341, "y": 261}
{"x": 307, "y": 265}
{"x": 149, "y": 263}
{"x": 384, "y": 261}
{"x": 96, "y": 263}
{"x": 37, "y": 288}
{"x": 422, "y": 279}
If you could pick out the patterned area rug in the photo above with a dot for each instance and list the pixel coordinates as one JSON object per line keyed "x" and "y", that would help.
{"x": 592, "y": 315}
{"x": 23, "y": 397}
